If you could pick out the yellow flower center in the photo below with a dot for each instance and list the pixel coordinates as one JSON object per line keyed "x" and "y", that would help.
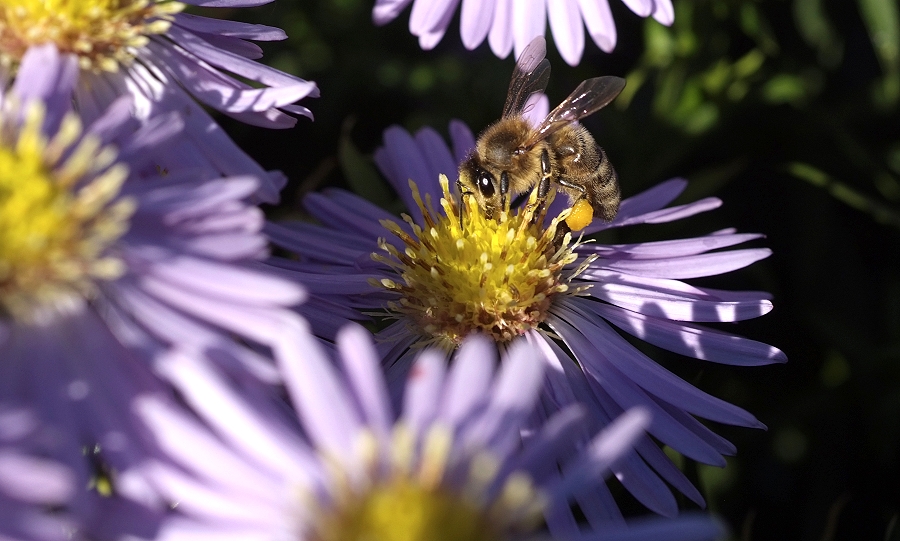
{"x": 103, "y": 33}
{"x": 414, "y": 501}
{"x": 58, "y": 214}
{"x": 464, "y": 272}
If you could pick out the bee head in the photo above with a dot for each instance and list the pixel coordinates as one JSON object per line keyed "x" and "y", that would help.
{"x": 477, "y": 181}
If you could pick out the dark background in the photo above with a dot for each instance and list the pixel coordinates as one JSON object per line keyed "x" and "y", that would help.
{"x": 787, "y": 110}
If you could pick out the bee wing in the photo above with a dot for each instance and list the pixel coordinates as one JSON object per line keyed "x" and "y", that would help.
{"x": 590, "y": 96}
{"x": 531, "y": 74}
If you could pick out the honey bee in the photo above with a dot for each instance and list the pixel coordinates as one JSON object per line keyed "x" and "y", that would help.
{"x": 512, "y": 156}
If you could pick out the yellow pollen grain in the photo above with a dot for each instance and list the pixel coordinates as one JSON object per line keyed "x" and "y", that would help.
{"x": 103, "y": 33}
{"x": 465, "y": 272}
{"x": 57, "y": 219}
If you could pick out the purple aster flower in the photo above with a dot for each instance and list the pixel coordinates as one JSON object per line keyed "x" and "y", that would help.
{"x": 449, "y": 465}
{"x": 436, "y": 277}
{"x": 165, "y": 60}
{"x": 103, "y": 270}
{"x": 509, "y": 24}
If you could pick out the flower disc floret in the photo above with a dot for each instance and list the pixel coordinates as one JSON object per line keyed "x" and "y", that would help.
{"x": 59, "y": 214}
{"x": 412, "y": 499}
{"x": 464, "y": 272}
{"x": 102, "y": 33}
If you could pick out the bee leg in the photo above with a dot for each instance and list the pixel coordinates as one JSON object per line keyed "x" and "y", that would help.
{"x": 544, "y": 185}
{"x": 566, "y": 184}
{"x": 462, "y": 203}
{"x": 504, "y": 189}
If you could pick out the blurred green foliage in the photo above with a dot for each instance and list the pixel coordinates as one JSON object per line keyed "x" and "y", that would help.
{"x": 785, "y": 109}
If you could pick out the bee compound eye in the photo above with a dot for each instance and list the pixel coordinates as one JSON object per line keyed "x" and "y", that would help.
{"x": 485, "y": 182}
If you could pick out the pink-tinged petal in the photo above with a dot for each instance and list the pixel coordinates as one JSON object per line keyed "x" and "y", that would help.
{"x": 430, "y": 15}
{"x": 663, "y": 465}
{"x": 363, "y": 371}
{"x": 462, "y": 138}
{"x": 700, "y": 343}
{"x": 237, "y": 46}
{"x": 475, "y": 21}
{"x": 404, "y": 163}
{"x": 440, "y": 162}
{"x": 228, "y": 3}
{"x": 671, "y": 214}
{"x": 253, "y": 71}
{"x": 468, "y": 380}
{"x": 317, "y": 392}
{"x": 305, "y": 239}
{"x": 694, "y": 266}
{"x": 535, "y": 110}
{"x": 386, "y": 11}
{"x": 500, "y": 37}
{"x": 550, "y": 444}
{"x": 663, "y": 12}
{"x": 520, "y": 377}
{"x": 512, "y": 399}
{"x": 649, "y": 200}
{"x": 358, "y": 220}
{"x": 607, "y": 447}
{"x": 200, "y": 453}
{"x": 529, "y": 21}
{"x": 429, "y": 40}
{"x": 249, "y": 429}
{"x": 35, "y": 480}
{"x": 233, "y": 29}
{"x": 424, "y": 385}
{"x": 676, "y": 300}
{"x": 634, "y": 473}
{"x": 669, "y": 248}
{"x": 653, "y": 378}
{"x": 46, "y": 75}
{"x": 599, "y": 21}
{"x": 568, "y": 31}
{"x": 616, "y": 390}
{"x": 227, "y": 282}
{"x": 218, "y": 504}
{"x": 642, "y": 8}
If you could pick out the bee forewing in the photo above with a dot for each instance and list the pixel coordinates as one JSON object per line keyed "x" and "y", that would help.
{"x": 590, "y": 96}
{"x": 531, "y": 74}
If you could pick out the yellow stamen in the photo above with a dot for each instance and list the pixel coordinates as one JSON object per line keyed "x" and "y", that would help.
{"x": 57, "y": 218}
{"x": 464, "y": 272}
{"x": 103, "y": 33}
{"x": 416, "y": 501}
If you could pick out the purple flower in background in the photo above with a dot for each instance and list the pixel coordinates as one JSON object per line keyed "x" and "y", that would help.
{"x": 450, "y": 464}
{"x": 165, "y": 60}
{"x": 509, "y": 24}
{"x": 440, "y": 278}
{"x": 104, "y": 271}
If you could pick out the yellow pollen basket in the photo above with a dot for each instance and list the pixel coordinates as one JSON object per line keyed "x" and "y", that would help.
{"x": 57, "y": 217}
{"x": 464, "y": 272}
{"x": 103, "y": 33}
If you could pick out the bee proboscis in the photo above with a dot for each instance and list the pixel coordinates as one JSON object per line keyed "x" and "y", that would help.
{"x": 512, "y": 155}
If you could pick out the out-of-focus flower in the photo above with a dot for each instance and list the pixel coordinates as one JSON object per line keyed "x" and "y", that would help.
{"x": 514, "y": 23}
{"x": 102, "y": 271}
{"x": 441, "y": 278}
{"x": 450, "y": 465}
{"x": 164, "y": 59}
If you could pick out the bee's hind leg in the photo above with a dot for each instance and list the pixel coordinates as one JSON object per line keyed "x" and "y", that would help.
{"x": 543, "y": 187}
